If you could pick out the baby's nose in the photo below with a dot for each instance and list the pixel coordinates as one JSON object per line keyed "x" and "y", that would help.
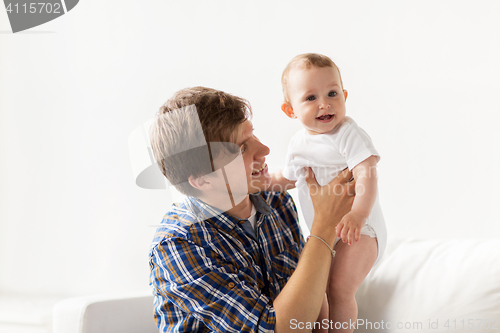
{"x": 324, "y": 104}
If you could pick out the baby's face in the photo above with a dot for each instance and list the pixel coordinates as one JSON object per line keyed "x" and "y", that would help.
{"x": 317, "y": 98}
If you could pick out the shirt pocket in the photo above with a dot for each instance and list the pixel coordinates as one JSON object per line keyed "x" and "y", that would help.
{"x": 284, "y": 264}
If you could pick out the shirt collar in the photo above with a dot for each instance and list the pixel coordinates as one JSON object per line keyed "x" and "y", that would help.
{"x": 260, "y": 204}
{"x": 204, "y": 211}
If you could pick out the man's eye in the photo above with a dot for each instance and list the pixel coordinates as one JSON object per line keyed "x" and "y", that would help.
{"x": 332, "y": 94}
{"x": 310, "y": 98}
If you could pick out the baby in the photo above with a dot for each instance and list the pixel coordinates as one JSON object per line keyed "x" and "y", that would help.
{"x": 329, "y": 143}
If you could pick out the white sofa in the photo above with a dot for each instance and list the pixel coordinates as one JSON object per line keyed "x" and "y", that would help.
{"x": 419, "y": 286}
{"x": 105, "y": 314}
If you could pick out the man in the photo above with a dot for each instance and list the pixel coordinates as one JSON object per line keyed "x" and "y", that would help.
{"x": 227, "y": 258}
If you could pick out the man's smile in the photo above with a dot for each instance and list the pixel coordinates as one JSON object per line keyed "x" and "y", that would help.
{"x": 260, "y": 171}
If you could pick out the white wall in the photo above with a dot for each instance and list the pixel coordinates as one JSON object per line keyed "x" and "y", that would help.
{"x": 422, "y": 76}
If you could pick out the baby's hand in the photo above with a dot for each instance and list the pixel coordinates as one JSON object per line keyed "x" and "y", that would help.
{"x": 349, "y": 228}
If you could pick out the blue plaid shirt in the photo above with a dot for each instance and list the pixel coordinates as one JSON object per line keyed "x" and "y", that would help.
{"x": 216, "y": 275}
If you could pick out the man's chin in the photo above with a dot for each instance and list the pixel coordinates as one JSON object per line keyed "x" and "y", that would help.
{"x": 259, "y": 185}
{"x": 255, "y": 190}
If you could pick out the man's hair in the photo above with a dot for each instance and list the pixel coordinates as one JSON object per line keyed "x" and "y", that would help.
{"x": 180, "y": 147}
{"x": 306, "y": 61}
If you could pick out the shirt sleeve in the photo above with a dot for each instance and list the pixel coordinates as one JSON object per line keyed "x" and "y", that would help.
{"x": 200, "y": 284}
{"x": 356, "y": 145}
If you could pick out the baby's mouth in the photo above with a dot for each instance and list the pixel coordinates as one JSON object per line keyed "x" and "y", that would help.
{"x": 325, "y": 117}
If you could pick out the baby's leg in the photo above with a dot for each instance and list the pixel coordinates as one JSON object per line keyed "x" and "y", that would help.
{"x": 351, "y": 265}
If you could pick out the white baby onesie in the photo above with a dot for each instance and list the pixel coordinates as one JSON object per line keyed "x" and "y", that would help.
{"x": 328, "y": 154}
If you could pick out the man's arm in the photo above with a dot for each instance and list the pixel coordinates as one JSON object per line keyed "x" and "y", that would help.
{"x": 301, "y": 299}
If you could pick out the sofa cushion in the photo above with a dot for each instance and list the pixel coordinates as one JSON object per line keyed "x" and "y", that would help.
{"x": 433, "y": 286}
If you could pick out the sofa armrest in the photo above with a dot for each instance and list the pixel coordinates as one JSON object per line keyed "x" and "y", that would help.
{"x": 127, "y": 313}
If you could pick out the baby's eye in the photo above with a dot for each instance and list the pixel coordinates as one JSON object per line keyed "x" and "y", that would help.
{"x": 311, "y": 98}
{"x": 332, "y": 94}
{"x": 243, "y": 148}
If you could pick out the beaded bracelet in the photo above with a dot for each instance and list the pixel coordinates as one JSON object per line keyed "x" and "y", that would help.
{"x": 321, "y": 239}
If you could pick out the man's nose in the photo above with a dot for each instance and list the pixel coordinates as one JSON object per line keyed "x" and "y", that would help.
{"x": 263, "y": 150}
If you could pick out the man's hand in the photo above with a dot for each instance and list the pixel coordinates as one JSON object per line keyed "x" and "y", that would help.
{"x": 349, "y": 228}
{"x": 332, "y": 201}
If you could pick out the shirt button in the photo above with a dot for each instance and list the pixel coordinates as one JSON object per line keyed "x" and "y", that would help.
{"x": 230, "y": 285}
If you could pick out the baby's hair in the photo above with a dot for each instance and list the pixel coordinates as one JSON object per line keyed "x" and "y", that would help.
{"x": 306, "y": 61}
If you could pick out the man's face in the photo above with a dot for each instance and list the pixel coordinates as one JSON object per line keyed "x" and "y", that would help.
{"x": 253, "y": 153}
{"x": 240, "y": 169}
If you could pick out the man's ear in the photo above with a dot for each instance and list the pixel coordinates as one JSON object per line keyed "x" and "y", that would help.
{"x": 345, "y": 95}
{"x": 287, "y": 108}
{"x": 200, "y": 183}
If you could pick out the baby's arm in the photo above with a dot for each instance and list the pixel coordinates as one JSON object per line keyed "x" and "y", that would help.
{"x": 279, "y": 183}
{"x": 365, "y": 174}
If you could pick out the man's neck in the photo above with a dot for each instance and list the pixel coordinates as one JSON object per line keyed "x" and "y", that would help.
{"x": 243, "y": 210}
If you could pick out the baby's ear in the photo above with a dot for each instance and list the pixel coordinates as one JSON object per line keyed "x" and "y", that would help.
{"x": 287, "y": 108}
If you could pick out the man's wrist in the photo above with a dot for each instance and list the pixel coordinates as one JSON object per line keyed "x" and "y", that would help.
{"x": 328, "y": 233}
{"x": 325, "y": 242}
